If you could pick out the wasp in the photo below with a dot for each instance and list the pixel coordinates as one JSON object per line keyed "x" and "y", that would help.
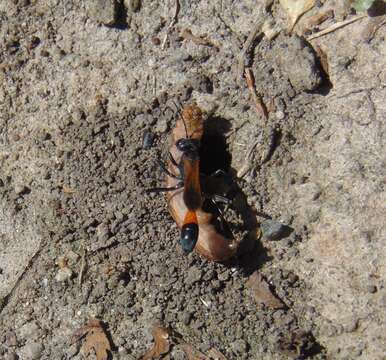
{"x": 184, "y": 194}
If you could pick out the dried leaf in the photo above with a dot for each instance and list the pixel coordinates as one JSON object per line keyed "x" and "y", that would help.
{"x": 68, "y": 190}
{"x": 198, "y": 40}
{"x": 323, "y": 58}
{"x": 317, "y": 19}
{"x": 96, "y": 340}
{"x": 161, "y": 343}
{"x": 192, "y": 353}
{"x": 262, "y": 293}
{"x": 216, "y": 355}
{"x": 295, "y": 9}
{"x": 62, "y": 262}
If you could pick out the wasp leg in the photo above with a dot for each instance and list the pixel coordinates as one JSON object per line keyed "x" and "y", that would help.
{"x": 169, "y": 173}
{"x": 174, "y": 162}
{"x": 165, "y": 189}
{"x": 216, "y": 200}
{"x": 223, "y": 223}
{"x": 219, "y": 172}
{"x": 219, "y": 199}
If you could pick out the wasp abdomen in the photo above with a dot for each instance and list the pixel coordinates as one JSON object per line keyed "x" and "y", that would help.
{"x": 189, "y": 237}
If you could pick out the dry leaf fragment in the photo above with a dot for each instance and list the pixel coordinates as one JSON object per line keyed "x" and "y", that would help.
{"x": 192, "y": 353}
{"x": 96, "y": 340}
{"x": 323, "y": 58}
{"x": 262, "y": 293}
{"x": 295, "y": 9}
{"x": 259, "y": 105}
{"x": 315, "y": 20}
{"x": 198, "y": 40}
{"x": 68, "y": 190}
{"x": 161, "y": 343}
{"x": 216, "y": 354}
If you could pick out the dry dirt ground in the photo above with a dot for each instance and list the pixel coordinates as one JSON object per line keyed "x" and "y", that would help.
{"x": 80, "y": 238}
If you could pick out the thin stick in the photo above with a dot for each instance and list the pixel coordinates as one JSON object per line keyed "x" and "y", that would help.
{"x": 336, "y": 27}
{"x": 373, "y": 27}
{"x": 236, "y": 129}
{"x": 198, "y": 40}
{"x": 172, "y": 23}
{"x": 259, "y": 105}
{"x": 247, "y": 164}
{"x": 256, "y": 31}
{"x": 82, "y": 266}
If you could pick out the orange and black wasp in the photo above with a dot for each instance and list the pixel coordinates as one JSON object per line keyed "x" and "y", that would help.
{"x": 188, "y": 168}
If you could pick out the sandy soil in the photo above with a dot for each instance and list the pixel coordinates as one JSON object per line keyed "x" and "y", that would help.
{"x": 82, "y": 83}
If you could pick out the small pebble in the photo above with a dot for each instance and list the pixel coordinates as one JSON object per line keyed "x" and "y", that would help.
{"x": 147, "y": 140}
{"x": 103, "y": 232}
{"x": 103, "y": 11}
{"x": 21, "y": 189}
{"x": 292, "y": 278}
{"x": 223, "y": 276}
{"x": 156, "y": 41}
{"x": 240, "y": 346}
{"x": 63, "y": 274}
{"x": 11, "y": 356}
{"x": 351, "y": 326}
{"x": 371, "y": 289}
{"x": 133, "y": 5}
{"x": 273, "y": 230}
{"x": 31, "y": 351}
{"x": 178, "y": 354}
{"x": 29, "y": 330}
{"x": 280, "y": 115}
{"x": 161, "y": 126}
{"x": 10, "y": 338}
{"x": 194, "y": 275}
{"x": 72, "y": 350}
{"x": 185, "y": 317}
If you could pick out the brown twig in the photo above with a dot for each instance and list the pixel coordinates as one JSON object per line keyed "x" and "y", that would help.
{"x": 336, "y": 27}
{"x": 172, "y": 23}
{"x": 256, "y": 31}
{"x": 259, "y": 105}
{"x": 82, "y": 266}
{"x": 198, "y": 40}
{"x": 247, "y": 163}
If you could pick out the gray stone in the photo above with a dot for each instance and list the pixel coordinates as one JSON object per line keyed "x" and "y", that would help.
{"x": 21, "y": 189}
{"x": 63, "y": 274}
{"x": 194, "y": 275}
{"x": 11, "y": 356}
{"x": 298, "y": 62}
{"x": 273, "y": 230}
{"x": 31, "y": 350}
{"x": 224, "y": 276}
{"x": 132, "y": 5}
{"x": 185, "y": 317}
{"x": 29, "y": 330}
{"x": 10, "y": 338}
{"x": 103, "y": 11}
{"x": 239, "y": 347}
{"x": 103, "y": 232}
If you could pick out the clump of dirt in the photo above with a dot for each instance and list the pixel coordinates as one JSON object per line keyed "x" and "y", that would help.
{"x": 80, "y": 238}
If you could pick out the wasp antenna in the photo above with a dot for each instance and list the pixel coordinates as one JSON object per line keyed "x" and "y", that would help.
{"x": 186, "y": 130}
{"x": 180, "y": 114}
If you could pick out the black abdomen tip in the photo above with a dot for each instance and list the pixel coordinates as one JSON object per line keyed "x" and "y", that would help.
{"x": 189, "y": 237}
